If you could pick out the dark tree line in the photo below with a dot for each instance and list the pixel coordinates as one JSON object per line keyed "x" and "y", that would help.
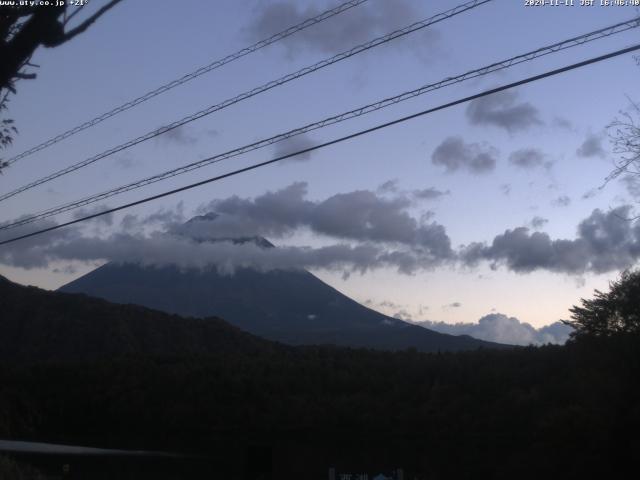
{"x": 486, "y": 414}
{"x": 571, "y": 411}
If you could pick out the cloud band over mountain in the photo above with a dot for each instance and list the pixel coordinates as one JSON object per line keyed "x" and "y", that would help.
{"x": 357, "y": 231}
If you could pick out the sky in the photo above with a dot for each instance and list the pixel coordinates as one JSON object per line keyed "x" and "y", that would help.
{"x": 487, "y": 210}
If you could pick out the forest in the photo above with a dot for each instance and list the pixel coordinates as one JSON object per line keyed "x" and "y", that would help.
{"x": 531, "y": 412}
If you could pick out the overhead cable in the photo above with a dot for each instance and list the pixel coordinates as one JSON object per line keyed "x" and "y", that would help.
{"x": 372, "y": 107}
{"x": 251, "y": 93}
{"x": 190, "y": 76}
{"x": 331, "y": 142}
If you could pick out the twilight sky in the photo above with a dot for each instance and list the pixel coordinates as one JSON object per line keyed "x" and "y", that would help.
{"x": 486, "y": 208}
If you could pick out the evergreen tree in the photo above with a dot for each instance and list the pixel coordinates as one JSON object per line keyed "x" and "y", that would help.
{"x": 616, "y": 311}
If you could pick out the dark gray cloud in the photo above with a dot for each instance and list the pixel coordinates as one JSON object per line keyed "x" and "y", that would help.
{"x": 66, "y": 270}
{"x": 455, "y": 154}
{"x": 561, "y": 201}
{"x": 367, "y": 231}
{"x": 390, "y": 186}
{"x": 124, "y": 161}
{"x": 351, "y": 28}
{"x": 527, "y": 158}
{"x": 179, "y": 136}
{"x": 538, "y": 222}
{"x": 502, "y": 110}
{"x": 500, "y": 328}
{"x": 292, "y": 145}
{"x": 161, "y": 248}
{"x": 605, "y": 242}
{"x": 273, "y": 214}
{"x": 33, "y": 252}
{"x": 371, "y": 232}
{"x": 165, "y": 218}
{"x": 592, "y": 147}
{"x": 430, "y": 193}
{"x": 106, "y": 219}
{"x": 590, "y": 193}
{"x": 452, "y": 305}
{"x": 361, "y": 215}
{"x": 632, "y": 185}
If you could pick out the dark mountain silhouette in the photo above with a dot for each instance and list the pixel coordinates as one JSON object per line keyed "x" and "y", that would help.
{"x": 36, "y": 324}
{"x": 290, "y": 306}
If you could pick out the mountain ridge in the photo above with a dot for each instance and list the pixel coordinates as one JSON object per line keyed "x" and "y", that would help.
{"x": 292, "y": 306}
{"x": 289, "y": 306}
{"x": 41, "y": 325}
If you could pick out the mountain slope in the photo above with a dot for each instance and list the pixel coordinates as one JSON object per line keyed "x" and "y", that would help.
{"x": 294, "y": 307}
{"x": 37, "y": 324}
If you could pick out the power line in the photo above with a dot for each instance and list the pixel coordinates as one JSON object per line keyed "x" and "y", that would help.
{"x": 192, "y": 75}
{"x": 243, "y": 96}
{"x": 335, "y": 141}
{"x": 575, "y": 41}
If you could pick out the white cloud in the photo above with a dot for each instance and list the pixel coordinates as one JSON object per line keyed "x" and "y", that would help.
{"x": 500, "y": 328}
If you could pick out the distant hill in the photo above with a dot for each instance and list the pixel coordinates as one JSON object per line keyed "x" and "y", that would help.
{"x": 293, "y": 307}
{"x": 39, "y": 325}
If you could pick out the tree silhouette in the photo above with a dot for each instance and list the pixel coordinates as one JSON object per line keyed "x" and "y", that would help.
{"x": 624, "y": 134}
{"x": 7, "y": 129}
{"x": 610, "y": 313}
{"x": 24, "y": 28}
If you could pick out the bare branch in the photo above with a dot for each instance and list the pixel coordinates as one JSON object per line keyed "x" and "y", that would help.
{"x": 624, "y": 135}
{"x": 25, "y": 76}
{"x": 3, "y": 100}
{"x": 86, "y": 24}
